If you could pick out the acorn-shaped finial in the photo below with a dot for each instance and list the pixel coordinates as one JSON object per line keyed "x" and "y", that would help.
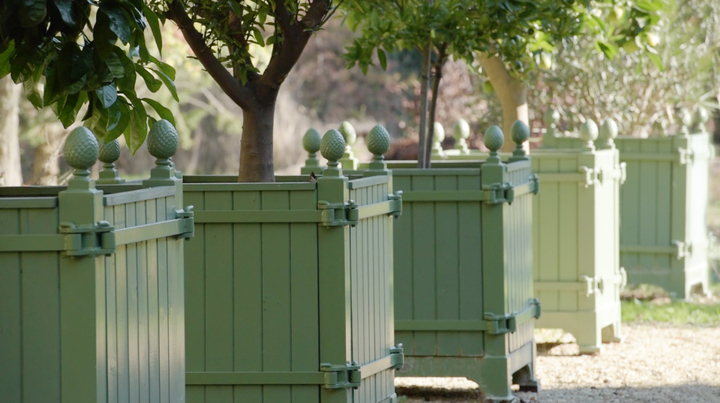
{"x": 607, "y": 135}
{"x": 494, "y": 139}
{"x": 551, "y": 116}
{"x": 686, "y": 121}
{"x": 311, "y": 141}
{"x": 700, "y": 118}
{"x": 438, "y": 137}
{"x": 519, "y": 133}
{"x": 461, "y": 132}
{"x": 81, "y": 149}
{"x": 162, "y": 140}
{"x": 589, "y": 133}
{"x": 378, "y": 141}
{"x": 109, "y": 153}
{"x": 348, "y": 132}
{"x": 332, "y": 147}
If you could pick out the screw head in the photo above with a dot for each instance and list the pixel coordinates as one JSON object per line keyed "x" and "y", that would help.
{"x": 311, "y": 141}
{"x": 81, "y": 148}
{"x": 378, "y": 140}
{"x": 332, "y": 145}
{"x": 348, "y": 132}
{"x": 494, "y": 138}
{"x": 163, "y": 140}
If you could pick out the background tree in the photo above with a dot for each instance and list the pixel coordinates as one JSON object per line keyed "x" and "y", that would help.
{"x": 226, "y": 32}
{"x": 10, "y": 172}
{"x": 86, "y": 53}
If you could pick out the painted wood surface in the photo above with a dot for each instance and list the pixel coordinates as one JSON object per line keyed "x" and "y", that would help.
{"x": 131, "y": 322}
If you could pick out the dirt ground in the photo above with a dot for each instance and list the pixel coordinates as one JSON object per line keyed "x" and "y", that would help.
{"x": 655, "y": 363}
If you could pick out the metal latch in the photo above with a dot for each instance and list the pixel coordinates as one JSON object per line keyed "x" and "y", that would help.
{"x": 93, "y": 240}
{"x": 338, "y": 214}
{"x": 508, "y": 323}
{"x": 188, "y": 222}
{"x": 499, "y": 193}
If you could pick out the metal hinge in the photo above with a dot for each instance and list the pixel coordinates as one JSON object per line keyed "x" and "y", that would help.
{"x": 508, "y": 323}
{"x": 338, "y": 214}
{"x": 682, "y": 249}
{"x": 93, "y": 240}
{"x": 188, "y": 222}
{"x": 499, "y": 193}
{"x": 351, "y": 374}
{"x": 396, "y": 203}
{"x": 686, "y": 156}
{"x": 535, "y": 180}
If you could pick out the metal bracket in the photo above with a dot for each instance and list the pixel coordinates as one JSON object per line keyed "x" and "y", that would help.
{"x": 396, "y": 203}
{"x": 94, "y": 240}
{"x": 351, "y": 374}
{"x": 499, "y": 193}
{"x": 682, "y": 249}
{"x": 508, "y": 323}
{"x": 687, "y": 157}
{"x": 338, "y": 214}
{"x": 188, "y": 217}
{"x": 591, "y": 176}
{"x": 535, "y": 183}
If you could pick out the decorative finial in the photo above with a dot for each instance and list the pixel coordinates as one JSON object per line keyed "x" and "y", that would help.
{"x": 589, "y": 133}
{"x": 550, "y": 118}
{"x": 162, "y": 143}
{"x": 332, "y": 147}
{"x": 608, "y": 133}
{"x": 311, "y": 144}
{"x": 81, "y": 152}
{"x": 348, "y": 160}
{"x": 378, "y": 142}
{"x": 461, "y": 132}
{"x": 686, "y": 121}
{"x": 109, "y": 153}
{"x": 700, "y": 119}
{"x": 494, "y": 140}
{"x": 519, "y": 133}
{"x": 438, "y": 137}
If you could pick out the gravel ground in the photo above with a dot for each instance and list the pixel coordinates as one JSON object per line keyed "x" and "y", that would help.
{"x": 655, "y": 363}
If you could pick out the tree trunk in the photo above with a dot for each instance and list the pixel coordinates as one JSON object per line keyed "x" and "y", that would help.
{"x": 433, "y": 105}
{"x": 512, "y": 94}
{"x": 45, "y": 163}
{"x": 256, "y": 146}
{"x": 424, "y": 81}
{"x": 10, "y": 169}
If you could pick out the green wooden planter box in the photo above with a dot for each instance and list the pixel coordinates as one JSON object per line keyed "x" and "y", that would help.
{"x": 91, "y": 289}
{"x": 464, "y": 301}
{"x": 577, "y": 273}
{"x": 289, "y": 289}
{"x": 663, "y": 233}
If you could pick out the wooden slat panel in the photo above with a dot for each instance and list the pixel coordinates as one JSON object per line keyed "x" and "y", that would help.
{"x": 218, "y": 297}
{"x": 305, "y": 352}
{"x": 276, "y": 296}
{"x": 549, "y": 221}
{"x": 121, "y": 309}
{"x": 163, "y": 319}
{"x": 248, "y": 298}
{"x": 470, "y": 267}
{"x": 568, "y": 208}
{"x": 133, "y": 309}
{"x": 630, "y": 207}
{"x": 143, "y": 327}
{"x": 403, "y": 263}
{"x": 11, "y": 312}
{"x": 648, "y": 201}
{"x": 152, "y": 215}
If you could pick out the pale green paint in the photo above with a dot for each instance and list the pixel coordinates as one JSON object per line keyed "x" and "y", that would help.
{"x": 663, "y": 233}
{"x": 276, "y": 289}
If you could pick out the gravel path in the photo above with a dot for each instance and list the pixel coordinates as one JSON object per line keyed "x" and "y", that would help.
{"x": 654, "y": 364}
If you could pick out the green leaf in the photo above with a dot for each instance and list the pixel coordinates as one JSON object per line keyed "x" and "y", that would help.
{"x": 52, "y": 91}
{"x": 103, "y": 37}
{"x": 32, "y": 12}
{"x": 64, "y": 7}
{"x": 32, "y": 93}
{"x": 107, "y": 95}
{"x": 118, "y": 120}
{"x": 127, "y": 83}
{"x": 656, "y": 60}
{"x": 162, "y": 111}
{"x": 168, "y": 83}
{"x": 115, "y": 65}
{"x": 119, "y": 24}
{"x": 152, "y": 20}
{"x": 164, "y": 67}
{"x": 383, "y": 58}
{"x": 69, "y": 113}
{"x": 5, "y": 59}
{"x": 136, "y": 132}
{"x": 152, "y": 83}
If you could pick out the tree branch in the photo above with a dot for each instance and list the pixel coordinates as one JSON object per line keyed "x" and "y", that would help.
{"x": 241, "y": 95}
{"x": 283, "y": 16}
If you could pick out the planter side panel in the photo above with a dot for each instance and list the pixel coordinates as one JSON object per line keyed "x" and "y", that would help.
{"x": 251, "y": 292}
{"x": 144, "y": 305}
{"x": 438, "y": 261}
{"x": 371, "y": 296}
{"x": 30, "y": 315}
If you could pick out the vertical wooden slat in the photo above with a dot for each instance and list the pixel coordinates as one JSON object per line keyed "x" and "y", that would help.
{"x": 152, "y": 215}
{"x": 163, "y": 320}
{"x": 218, "y": 296}
{"x": 403, "y": 263}
{"x": 470, "y": 266}
{"x": 569, "y": 209}
{"x": 277, "y": 340}
{"x": 143, "y": 326}
{"x": 121, "y": 308}
{"x": 630, "y": 206}
{"x": 133, "y": 309}
{"x": 423, "y": 250}
{"x": 549, "y": 221}
{"x": 11, "y": 313}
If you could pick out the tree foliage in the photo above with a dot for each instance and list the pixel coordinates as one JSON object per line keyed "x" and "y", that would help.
{"x": 71, "y": 53}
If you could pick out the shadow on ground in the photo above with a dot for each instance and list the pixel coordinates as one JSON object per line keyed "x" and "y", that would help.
{"x": 666, "y": 394}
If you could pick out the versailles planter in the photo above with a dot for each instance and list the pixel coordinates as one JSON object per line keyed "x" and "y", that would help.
{"x": 91, "y": 285}
{"x": 463, "y": 270}
{"x": 289, "y": 287}
{"x": 663, "y": 234}
{"x": 577, "y": 274}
